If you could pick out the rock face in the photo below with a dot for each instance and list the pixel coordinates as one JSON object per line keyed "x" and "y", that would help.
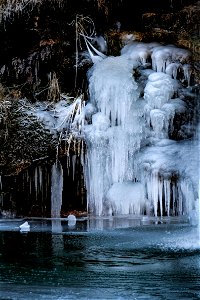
{"x": 38, "y": 37}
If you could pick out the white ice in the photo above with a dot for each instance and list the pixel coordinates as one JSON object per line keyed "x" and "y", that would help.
{"x": 56, "y": 189}
{"x": 118, "y": 160}
{"x": 25, "y": 227}
{"x": 167, "y": 170}
{"x": 125, "y": 198}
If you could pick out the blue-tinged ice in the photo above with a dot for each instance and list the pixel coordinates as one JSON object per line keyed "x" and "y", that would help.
{"x": 132, "y": 166}
{"x": 56, "y": 189}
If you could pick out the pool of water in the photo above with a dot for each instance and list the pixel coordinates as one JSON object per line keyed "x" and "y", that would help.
{"x": 100, "y": 259}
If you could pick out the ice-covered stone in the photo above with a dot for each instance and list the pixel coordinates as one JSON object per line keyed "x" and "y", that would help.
{"x": 25, "y": 227}
{"x": 71, "y": 220}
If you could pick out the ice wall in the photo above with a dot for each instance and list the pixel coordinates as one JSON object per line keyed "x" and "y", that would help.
{"x": 138, "y": 155}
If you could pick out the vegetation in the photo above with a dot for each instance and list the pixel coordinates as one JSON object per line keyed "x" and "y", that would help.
{"x": 22, "y": 138}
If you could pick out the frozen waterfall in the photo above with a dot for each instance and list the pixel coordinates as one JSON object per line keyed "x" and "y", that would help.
{"x": 139, "y": 160}
{"x": 140, "y": 131}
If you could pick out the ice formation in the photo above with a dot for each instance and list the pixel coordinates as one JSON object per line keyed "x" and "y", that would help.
{"x": 71, "y": 220}
{"x": 139, "y": 129}
{"x": 56, "y": 189}
{"x": 132, "y": 203}
{"x": 25, "y": 227}
{"x": 56, "y": 117}
{"x": 133, "y": 163}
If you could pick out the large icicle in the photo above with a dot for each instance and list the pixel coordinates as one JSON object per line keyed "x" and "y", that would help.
{"x": 116, "y": 131}
{"x": 56, "y": 189}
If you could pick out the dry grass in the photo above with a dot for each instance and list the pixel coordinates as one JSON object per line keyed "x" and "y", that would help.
{"x": 53, "y": 90}
{"x": 2, "y": 2}
{"x": 2, "y": 92}
{"x": 10, "y": 9}
{"x": 103, "y": 6}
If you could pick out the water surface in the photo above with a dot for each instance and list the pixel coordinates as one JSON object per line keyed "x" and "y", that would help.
{"x": 99, "y": 259}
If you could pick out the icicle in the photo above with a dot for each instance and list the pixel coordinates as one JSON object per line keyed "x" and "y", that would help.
{"x": 167, "y": 193}
{"x": 82, "y": 153}
{"x": 73, "y": 166}
{"x": 74, "y": 144}
{"x": 36, "y": 183}
{"x": 154, "y": 191}
{"x": 187, "y": 73}
{"x": 56, "y": 189}
{"x": 188, "y": 195}
{"x": 160, "y": 195}
{"x": 174, "y": 198}
{"x": 180, "y": 200}
{"x": 172, "y": 69}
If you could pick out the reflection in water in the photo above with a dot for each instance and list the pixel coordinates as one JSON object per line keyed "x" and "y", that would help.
{"x": 111, "y": 223}
{"x": 57, "y": 238}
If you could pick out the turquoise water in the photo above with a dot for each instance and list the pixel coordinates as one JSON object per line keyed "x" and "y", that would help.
{"x": 99, "y": 259}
